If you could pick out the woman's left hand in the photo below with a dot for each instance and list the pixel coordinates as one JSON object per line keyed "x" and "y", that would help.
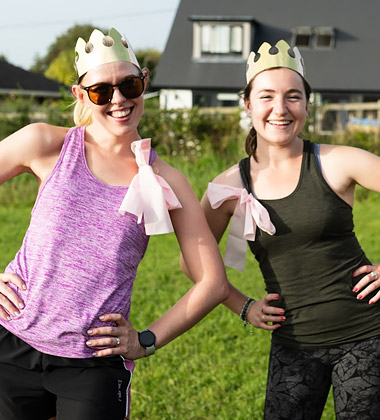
{"x": 369, "y": 282}
{"x": 120, "y": 340}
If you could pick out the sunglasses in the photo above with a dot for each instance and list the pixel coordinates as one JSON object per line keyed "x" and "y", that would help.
{"x": 101, "y": 93}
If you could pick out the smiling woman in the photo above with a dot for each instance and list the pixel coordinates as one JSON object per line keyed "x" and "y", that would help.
{"x": 66, "y": 342}
{"x": 292, "y": 201}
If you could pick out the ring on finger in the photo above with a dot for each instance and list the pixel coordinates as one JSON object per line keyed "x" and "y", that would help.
{"x": 262, "y": 318}
{"x": 373, "y": 275}
{"x": 117, "y": 341}
{"x": 262, "y": 309}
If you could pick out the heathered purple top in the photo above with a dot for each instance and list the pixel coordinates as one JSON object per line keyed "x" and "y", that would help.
{"x": 79, "y": 256}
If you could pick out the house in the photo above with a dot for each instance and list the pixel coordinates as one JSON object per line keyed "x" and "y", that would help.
{"x": 17, "y": 81}
{"x": 205, "y": 57}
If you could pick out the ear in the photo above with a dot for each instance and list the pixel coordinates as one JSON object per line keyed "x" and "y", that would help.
{"x": 146, "y": 80}
{"x": 247, "y": 106}
{"x": 78, "y": 92}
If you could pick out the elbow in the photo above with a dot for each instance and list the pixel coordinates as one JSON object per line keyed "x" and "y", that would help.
{"x": 226, "y": 292}
{"x": 184, "y": 268}
{"x": 223, "y": 290}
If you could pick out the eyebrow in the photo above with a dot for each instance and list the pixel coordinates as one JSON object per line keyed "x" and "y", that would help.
{"x": 288, "y": 91}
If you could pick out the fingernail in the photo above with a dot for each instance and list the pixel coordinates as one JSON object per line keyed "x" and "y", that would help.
{"x": 21, "y": 306}
{"x": 23, "y": 287}
{"x": 371, "y": 302}
{"x": 360, "y": 297}
{"x": 16, "y": 313}
{"x": 89, "y": 332}
{"x": 355, "y": 289}
{"x": 101, "y": 317}
{"x": 89, "y": 343}
{"x": 282, "y": 311}
{"x": 283, "y": 318}
{"x": 95, "y": 354}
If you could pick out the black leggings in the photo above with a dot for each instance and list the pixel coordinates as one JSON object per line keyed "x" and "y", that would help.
{"x": 299, "y": 382}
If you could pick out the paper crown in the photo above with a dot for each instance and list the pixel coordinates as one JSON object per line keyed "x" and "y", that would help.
{"x": 268, "y": 57}
{"x": 102, "y": 49}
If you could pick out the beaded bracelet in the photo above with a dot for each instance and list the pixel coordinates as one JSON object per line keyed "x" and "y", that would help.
{"x": 244, "y": 311}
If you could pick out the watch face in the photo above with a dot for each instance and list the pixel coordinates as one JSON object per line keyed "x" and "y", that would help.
{"x": 147, "y": 338}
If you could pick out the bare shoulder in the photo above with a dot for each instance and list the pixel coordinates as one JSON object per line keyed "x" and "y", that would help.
{"x": 27, "y": 149}
{"x": 345, "y": 166}
{"x": 230, "y": 177}
{"x": 38, "y": 138}
{"x": 339, "y": 152}
{"x": 48, "y": 136}
{"x": 171, "y": 174}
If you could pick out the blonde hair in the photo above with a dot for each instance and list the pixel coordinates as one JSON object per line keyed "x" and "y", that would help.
{"x": 82, "y": 114}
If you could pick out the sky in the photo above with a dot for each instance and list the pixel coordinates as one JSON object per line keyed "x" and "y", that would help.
{"x": 29, "y": 27}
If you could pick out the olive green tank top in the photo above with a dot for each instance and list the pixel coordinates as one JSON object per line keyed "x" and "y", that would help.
{"x": 310, "y": 260}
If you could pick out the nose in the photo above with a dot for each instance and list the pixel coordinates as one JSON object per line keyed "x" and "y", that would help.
{"x": 117, "y": 96}
{"x": 279, "y": 106}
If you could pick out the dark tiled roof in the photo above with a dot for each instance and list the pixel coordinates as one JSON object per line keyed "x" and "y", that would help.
{"x": 15, "y": 78}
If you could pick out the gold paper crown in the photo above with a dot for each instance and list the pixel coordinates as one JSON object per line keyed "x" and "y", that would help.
{"x": 268, "y": 57}
{"x": 102, "y": 49}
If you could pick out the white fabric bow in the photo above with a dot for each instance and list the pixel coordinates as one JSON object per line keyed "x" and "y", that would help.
{"x": 149, "y": 195}
{"x": 248, "y": 214}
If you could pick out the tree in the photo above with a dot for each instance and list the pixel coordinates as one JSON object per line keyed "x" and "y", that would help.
{"x": 62, "y": 68}
{"x": 149, "y": 58}
{"x": 58, "y": 63}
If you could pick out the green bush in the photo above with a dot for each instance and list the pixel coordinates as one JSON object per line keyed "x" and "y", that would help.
{"x": 14, "y": 114}
{"x": 190, "y": 133}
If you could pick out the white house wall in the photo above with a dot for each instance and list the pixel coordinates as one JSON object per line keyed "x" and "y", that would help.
{"x": 176, "y": 99}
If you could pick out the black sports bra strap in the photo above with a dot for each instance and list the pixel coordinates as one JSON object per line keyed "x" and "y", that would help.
{"x": 244, "y": 167}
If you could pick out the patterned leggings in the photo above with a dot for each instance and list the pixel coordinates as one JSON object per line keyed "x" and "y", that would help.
{"x": 299, "y": 382}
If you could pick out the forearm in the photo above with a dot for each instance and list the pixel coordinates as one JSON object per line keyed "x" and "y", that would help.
{"x": 189, "y": 310}
{"x": 236, "y": 298}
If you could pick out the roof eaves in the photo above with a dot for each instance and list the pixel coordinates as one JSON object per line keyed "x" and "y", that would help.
{"x": 217, "y": 18}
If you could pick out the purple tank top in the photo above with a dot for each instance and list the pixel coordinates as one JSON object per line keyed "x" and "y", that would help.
{"x": 79, "y": 256}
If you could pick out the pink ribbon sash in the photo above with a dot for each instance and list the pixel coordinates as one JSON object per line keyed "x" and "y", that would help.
{"x": 249, "y": 213}
{"x": 149, "y": 195}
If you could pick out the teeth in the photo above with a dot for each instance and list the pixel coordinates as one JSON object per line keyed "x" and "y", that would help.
{"x": 121, "y": 114}
{"x": 282, "y": 122}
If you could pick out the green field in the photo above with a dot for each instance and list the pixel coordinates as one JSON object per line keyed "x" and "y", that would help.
{"x": 215, "y": 371}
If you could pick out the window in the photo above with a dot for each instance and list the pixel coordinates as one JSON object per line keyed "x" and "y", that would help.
{"x": 302, "y": 36}
{"x": 217, "y": 37}
{"x": 221, "y": 39}
{"x": 318, "y": 37}
{"x": 324, "y": 37}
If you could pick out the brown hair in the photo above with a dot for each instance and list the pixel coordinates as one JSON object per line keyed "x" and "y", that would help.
{"x": 251, "y": 140}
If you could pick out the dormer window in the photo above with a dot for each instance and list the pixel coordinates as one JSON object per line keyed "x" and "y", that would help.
{"x": 324, "y": 37}
{"x": 317, "y": 37}
{"x": 302, "y": 36}
{"x": 221, "y": 39}
{"x": 218, "y": 37}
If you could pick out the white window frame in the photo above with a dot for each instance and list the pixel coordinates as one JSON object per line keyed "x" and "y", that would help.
{"x": 313, "y": 34}
{"x": 199, "y": 26}
{"x": 324, "y": 31}
{"x": 302, "y": 31}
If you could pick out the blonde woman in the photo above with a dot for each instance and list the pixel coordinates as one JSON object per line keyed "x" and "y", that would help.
{"x": 66, "y": 343}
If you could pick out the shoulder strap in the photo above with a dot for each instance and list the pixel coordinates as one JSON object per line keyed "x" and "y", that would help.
{"x": 244, "y": 168}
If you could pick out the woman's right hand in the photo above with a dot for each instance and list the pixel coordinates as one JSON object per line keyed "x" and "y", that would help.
{"x": 260, "y": 313}
{"x": 10, "y": 302}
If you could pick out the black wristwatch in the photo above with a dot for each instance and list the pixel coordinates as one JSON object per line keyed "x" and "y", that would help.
{"x": 147, "y": 340}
